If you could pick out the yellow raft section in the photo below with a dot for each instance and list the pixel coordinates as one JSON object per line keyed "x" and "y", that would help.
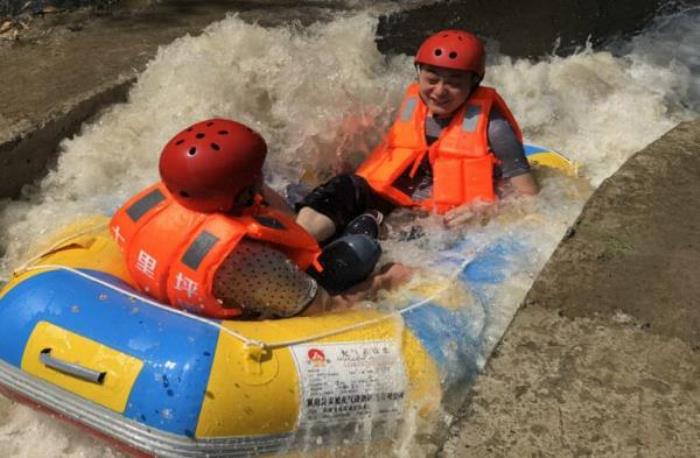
{"x": 251, "y": 390}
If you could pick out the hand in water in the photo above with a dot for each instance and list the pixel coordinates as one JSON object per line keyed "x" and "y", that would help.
{"x": 464, "y": 214}
{"x": 390, "y": 276}
{"x": 394, "y": 274}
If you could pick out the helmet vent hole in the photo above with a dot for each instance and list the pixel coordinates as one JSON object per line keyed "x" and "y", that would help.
{"x": 209, "y": 124}
{"x": 184, "y": 194}
{"x": 438, "y": 52}
{"x": 453, "y": 55}
{"x": 223, "y": 132}
{"x": 189, "y": 129}
{"x": 445, "y": 35}
{"x": 200, "y": 135}
{"x": 215, "y": 147}
{"x": 180, "y": 142}
{"x": 192, "y": 151}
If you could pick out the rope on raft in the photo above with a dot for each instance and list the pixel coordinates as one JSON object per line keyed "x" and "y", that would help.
{"x": 118, "y": 289}
{"x": 248, "y": 342}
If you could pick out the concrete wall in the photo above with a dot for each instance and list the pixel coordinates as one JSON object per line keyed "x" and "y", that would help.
{"x": 39, "y": 108}
{"x": 603, "y": 358}
{"x": 521, "y": 28}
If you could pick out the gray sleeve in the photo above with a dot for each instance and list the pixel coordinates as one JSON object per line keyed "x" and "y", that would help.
{"x": 258, "y": 277}
{"x": 506, "y": 146}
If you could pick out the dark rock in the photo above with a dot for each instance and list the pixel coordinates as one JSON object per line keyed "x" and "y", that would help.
{"x": 527, "y": 28}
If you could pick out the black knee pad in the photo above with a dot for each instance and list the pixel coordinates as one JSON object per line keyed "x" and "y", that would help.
{"x": 347, "y": 261}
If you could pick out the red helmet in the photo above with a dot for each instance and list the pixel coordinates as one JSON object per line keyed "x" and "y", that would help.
{"x": 455, "y": 49}
{"x": 207, "y": 165}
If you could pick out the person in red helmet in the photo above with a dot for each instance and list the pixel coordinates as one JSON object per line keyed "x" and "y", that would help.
{"x": 453, "y": 148}
{"x": 211, "y": 239}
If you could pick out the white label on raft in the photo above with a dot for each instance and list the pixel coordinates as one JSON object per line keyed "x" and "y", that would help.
{"x": 344, "y": 382}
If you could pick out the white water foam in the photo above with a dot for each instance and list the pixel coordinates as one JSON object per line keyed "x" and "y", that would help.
{"x": 322, "y": 93}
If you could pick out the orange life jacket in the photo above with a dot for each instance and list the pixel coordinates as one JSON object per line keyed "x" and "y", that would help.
{"x": 461, "y": 160}
{"x": 173, "y": 253}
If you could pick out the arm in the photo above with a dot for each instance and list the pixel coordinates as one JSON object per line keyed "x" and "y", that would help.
{"x": 524, "y": 184}
{"x": 507, "y": 147}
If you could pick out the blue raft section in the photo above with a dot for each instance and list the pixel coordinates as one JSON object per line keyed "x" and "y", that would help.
{"x": 178, "y": 352}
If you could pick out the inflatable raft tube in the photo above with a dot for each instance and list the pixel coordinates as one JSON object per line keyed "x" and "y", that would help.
{"x": 78, "y": 341}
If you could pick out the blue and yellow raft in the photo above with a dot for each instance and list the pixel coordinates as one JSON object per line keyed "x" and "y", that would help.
{"x": 77, "y": 340}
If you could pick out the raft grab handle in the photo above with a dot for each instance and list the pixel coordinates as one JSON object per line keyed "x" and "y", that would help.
{"x": 72, "y": 369}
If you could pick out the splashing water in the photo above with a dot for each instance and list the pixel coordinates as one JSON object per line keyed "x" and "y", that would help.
{"x": 323, "y": 93}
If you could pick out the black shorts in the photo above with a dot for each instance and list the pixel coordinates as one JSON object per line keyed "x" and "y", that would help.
{"x": 344, "y": 197}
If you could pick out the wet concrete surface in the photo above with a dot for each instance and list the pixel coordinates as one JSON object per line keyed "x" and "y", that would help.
{"x": 602, "y": 359}
{"x": 635, "y": 250}
{"x": 67, "y": 60}
{"x": 63, "y": 67}
{"x": 585, "y": 387}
